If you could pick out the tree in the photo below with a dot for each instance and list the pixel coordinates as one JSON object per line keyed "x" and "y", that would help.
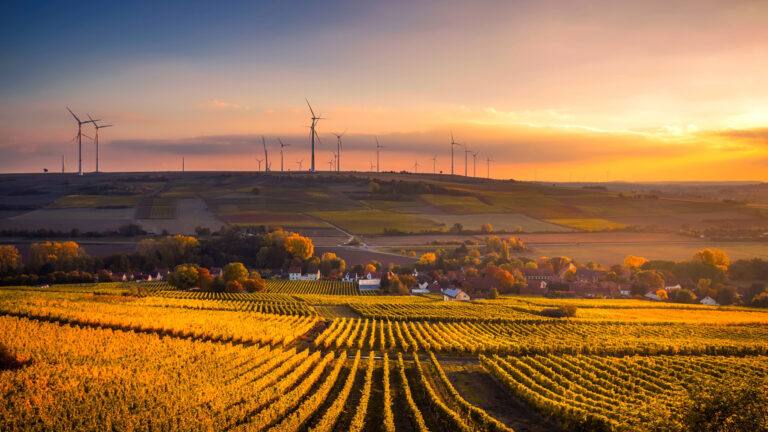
{"x": 330, "y": 264}
{"x": 662, "y": 295}
{"x": 714, "y": 257}
{"x": 493, "y": 294}
{"x": 510, "y": 282}
{"x": 299, "y": 247}
{"x": 727, "y": 295}
{"x": 457, "y": 228}
{"x": 682, "y": 296}
{"x": 183, "y": 276}
{"x": 104, "y": 276}
{"x": 632, "y": 261}
{"x": 10, "y": 259}
{"x": 486, "y": 228}
{"x": 235, "y": 272}
{"x": 427, "y": 259}
{"x": 55, "y": 256}
{"x": 234, "y": 286}
{"x": 204, "y": 279}
{"x": 559, "y": 262}
{"x": 254, "y": 285}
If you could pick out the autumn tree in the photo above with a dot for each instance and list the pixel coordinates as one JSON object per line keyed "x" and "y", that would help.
{"x": 330, "y": 264}
{"x": 298, "y": 246}
{"x": 486, "y": 228}
{"x": 510, "y": 282}
{"x": 255, "y": 283}
{"x": 184, "y": 276}
{"x": 204, "y": 279}
{"x": 235, "y": 272}
{"x": 63, "y": 256}
{"x": 632, "y": 261}
{"x": 234, "y": 286}
{"x": 10, "y": 259}
{"x": 714, "y": 257}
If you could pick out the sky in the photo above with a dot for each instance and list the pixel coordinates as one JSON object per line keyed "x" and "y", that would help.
{"x": 547, "y": 90}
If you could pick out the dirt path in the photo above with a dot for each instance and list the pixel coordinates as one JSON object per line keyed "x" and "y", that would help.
{"x": 479, "y": 388}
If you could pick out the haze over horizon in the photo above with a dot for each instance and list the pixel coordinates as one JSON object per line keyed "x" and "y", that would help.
{"x": 550, "y": 90}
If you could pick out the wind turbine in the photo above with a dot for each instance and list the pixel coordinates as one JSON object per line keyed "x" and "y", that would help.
{"x": 453, "y": 144}
{"x": 259, "y": 161}
{"x": 62, "y": 164}
{"x": 299, "y": 164}
{"x": 79, "y": 141}
{"x": 466, "y": 151}
{"x": 434, "y": 164}
{"x": 330, "y": 163}
{"x": 96, "y": 138}
{"x": 338, "y": 150}
{"x": 378, "y": 146}
{"x": 488, "y": 165}
{"x": 416, "y": 167}
{"x": 281, "y": 152}
{"x": 474, "y": 169}
{"x": 371, "y": 166}
{"x": 266, "y": 157}
{"x": 313, "y": 133}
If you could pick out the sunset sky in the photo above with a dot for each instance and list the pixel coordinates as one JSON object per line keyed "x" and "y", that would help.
{"x": 549, "y": 90}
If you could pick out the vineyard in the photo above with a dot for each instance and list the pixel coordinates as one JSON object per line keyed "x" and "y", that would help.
{"x": 316, "y": 356}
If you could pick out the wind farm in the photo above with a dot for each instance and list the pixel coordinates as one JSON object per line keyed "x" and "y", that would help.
{"x": 607, "y": 271}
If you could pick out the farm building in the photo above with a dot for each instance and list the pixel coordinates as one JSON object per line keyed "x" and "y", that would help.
{"x": 370, "y": 281}
{"x": 709, "y": 301}
{"x": 455, "y": 294}
{"x": 536, "y": 287}
{"x": 294, "y": 273}
{"x": 542, "y": 274}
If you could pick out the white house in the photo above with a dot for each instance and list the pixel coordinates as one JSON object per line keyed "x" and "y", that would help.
{"x": 294, "y": 273}
{"x": 422, "y": 288}
{"x": 652, "y": 296}
{"x": 370, "y": 281}
{"x": 454, "y": 294}
{"x": 349, "y": 277}
{"x": 709, "y": 301}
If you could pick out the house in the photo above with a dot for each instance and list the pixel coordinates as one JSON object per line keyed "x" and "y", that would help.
{"x": 585, "y": 274}
{"x": 434, "y": 288}
{"x": 294, "y": 274}
{"x": 709, "y": 301}
{"x": 369, "y": 281}
{"x": 119, "y": 277}
{"x": 652, "y": 296}
{"x": 422, "y": 288}
{"x": 454, "y": 294}
{"x": 672, "y": 287}
{"x": 541, "y": 274}
{"x": 217, "y": 272}
{"x": 566, "y": 268}
{"x": 349, "y": 277}
{"x": 535, "y": 287}
{"x": 160, "y": 274}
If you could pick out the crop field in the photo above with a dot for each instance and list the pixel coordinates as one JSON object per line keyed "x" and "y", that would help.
{"x": 317, "y": 356}
{"x": 370, "y": 222}
{"x": 312, "y": 287}
{"x": 96, "y": 201}
{"x": 588, "y": 224}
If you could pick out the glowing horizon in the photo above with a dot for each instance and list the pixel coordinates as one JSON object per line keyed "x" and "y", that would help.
{"x": 552, "y": 91}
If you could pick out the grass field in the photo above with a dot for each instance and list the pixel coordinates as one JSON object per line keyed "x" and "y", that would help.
{"x": 300, "y": 359}
{"x": 588, "y": 224}
{"x": 509, "y": 222}
{"x": 96, "y": 201}
{"x": 375, "y": 221}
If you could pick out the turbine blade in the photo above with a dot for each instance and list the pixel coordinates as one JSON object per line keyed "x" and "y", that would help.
{"x": 73, "y": 115}
{"x": 310, "y": 107}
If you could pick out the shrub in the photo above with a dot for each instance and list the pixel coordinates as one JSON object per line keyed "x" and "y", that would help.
{"x": 565, "y": 311}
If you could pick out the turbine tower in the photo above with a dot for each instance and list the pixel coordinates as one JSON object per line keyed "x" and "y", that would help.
{"x": 313, "y": 133}
{"x": 434, "y": 164}
{"x": 466, "y": 151}
{"x": 266, "y": 157}
{"x": 299, "y": 164}
{"x": 62, "y": 164}
{"x": 453, "y": 144}
{"x": 259, "y": 161}
{"x": 96, "y": 139}
{"x": 281, "y": 152}
{"x": 378, "y": 146}
{"x": 416, "y": 167}
{"x": 330, "y": 163}
{"x": 474, "y": 166}
{"x": 338, "y": 150}
{"x": 371, "y": 166}
{"x": 488, "y": 166}
{"x": 79, "y": 141}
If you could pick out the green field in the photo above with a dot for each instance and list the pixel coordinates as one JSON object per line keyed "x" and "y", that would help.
{"x": 588, "y": 224}
{"x": 371, "y": 222}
